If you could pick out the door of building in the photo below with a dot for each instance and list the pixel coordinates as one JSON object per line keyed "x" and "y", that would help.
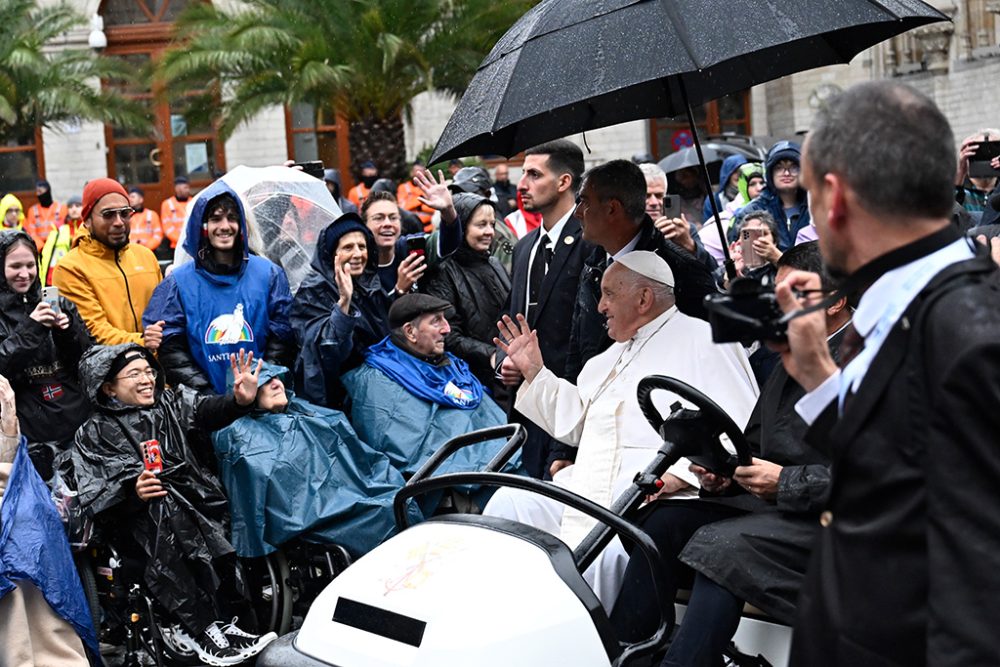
{"x": 139, "y": 32}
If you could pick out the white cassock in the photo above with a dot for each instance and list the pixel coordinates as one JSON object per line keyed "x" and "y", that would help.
{"x": 600, "y": 415}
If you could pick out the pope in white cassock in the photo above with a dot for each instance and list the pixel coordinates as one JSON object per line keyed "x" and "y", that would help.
{"x": 600, "y": 414}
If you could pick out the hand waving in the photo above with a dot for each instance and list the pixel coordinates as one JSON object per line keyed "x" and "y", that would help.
{"x": 244, "y": 379}
{"x": 520, "y": 344}
{"x": 436, "y": 194}
{"x": 345, "y": 285}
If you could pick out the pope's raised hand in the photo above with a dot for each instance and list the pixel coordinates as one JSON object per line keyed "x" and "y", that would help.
{"x": 520, "y": 344}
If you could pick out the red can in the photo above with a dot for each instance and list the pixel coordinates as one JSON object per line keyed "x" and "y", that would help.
{"x": 151, "y": 456}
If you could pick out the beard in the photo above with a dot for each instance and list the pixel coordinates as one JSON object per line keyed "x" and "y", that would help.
{"x": 835, "y": 262}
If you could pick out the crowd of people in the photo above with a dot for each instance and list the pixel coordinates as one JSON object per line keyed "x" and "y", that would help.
{"x": 441, "y": 306}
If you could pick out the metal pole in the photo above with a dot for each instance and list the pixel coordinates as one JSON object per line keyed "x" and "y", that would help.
{"x": 728, "y": 263}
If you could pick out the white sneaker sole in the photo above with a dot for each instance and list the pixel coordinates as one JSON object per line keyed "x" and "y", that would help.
{"x": 207, "y": 658}
{"x": 262, "y": 642}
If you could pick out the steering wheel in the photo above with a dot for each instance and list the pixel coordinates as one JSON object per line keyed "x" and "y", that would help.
{"x": 698, "y": 433}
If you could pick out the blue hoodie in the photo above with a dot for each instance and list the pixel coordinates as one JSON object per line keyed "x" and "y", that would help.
{"x": 221, "y": 313}
{"x": 729, "y": 167}
{"x": 768, "y": 200}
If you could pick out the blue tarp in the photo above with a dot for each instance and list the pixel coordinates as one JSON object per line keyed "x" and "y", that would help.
{"x": 304, "y": 473}
{"x": 33, "y": 547}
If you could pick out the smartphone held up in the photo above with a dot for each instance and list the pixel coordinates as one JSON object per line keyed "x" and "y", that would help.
{"x": 751, "y": 258}
{"x": 50, "y": 295}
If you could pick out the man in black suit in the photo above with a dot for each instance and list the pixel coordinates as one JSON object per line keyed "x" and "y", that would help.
{"x": 545, "y": 274}
{"x": 905, "y": 568}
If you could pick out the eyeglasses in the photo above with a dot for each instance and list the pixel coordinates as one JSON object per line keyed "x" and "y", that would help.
{"x": 135, "y": 376}
{"x": 124, "y": 213}
{"x": 790, "y": 169}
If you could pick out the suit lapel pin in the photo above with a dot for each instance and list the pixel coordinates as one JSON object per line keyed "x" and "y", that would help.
{"x": 568, "y": 240}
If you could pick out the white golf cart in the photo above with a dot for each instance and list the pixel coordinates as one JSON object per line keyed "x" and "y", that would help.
{"x": 481, "y": 591}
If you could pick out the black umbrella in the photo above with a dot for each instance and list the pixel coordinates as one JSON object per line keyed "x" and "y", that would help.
{"x": 573, "y": 65}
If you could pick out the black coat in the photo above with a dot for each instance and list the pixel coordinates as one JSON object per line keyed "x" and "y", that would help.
{"x": 762, "y": 557}
{"x": 41, "y": 362}
{"x": 478, "y": 288}
{"x": 183, "y": 535}
{"x": 552, "y": 318}
{"x": 333, "y": 343}
{"x": 904, "y": 571}
{"x": 588, "y": 336}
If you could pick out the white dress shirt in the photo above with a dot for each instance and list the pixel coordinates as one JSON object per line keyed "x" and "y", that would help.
{"x": 880, "y": 308}
{"x": 553, "y": 235}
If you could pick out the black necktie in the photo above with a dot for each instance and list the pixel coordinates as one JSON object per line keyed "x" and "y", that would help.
{"x": 850, "y": 345}
{"x": 539, "y": 266}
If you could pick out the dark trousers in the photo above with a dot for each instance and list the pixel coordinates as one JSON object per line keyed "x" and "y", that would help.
{"x": 713, "y": 613}
{"x": 670, "y": 524}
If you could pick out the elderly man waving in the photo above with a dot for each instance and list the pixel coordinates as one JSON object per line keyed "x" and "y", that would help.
{"x": 600, "y": 414}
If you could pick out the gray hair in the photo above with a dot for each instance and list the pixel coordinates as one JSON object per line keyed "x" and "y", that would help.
{"x": 892, "y": 146}
{"x": 652, "y": 172}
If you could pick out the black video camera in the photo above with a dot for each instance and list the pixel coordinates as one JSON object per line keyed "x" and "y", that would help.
{"x": 748, "y": 313}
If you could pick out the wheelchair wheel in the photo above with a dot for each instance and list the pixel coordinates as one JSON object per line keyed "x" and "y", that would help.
{"x": 270, "y": 593}
{"x": 85, "y": 568}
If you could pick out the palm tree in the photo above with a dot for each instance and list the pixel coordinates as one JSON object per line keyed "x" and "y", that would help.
{"x": 362, "y": 59}
{"x": 41, "y": 86}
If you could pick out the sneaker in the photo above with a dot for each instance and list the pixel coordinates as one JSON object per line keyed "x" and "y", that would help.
{"x": 177, "y": 640}
{"x": 244, "y": 642}
{"x": 212, "y": 647}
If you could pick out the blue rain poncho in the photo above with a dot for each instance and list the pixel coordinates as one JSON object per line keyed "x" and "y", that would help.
{"x": 408, "y": 429}
{"x": 304, "y": 473}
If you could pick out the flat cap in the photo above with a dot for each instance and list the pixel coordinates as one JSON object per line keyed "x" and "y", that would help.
{"x": 411, "y": 306}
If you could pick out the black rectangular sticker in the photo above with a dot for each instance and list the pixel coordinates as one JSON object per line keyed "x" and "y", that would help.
{"x": 379, "y": 622}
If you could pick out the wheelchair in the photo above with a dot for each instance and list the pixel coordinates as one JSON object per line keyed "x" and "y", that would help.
{"x": 129, "y": 621}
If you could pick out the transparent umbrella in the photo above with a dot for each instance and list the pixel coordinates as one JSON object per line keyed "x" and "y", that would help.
{"x": 286, "y": 210}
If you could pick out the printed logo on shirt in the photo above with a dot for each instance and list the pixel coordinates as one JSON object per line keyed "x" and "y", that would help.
{"x": 453, "y": 392}
{"x": 229, "y": 328}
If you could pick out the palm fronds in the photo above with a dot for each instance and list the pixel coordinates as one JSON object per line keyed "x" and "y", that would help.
{"x": 41, "y": 85}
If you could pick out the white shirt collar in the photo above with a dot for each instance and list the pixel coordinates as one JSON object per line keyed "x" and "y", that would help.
{"x": 651, "y": 327}
{"x": 556, "y": 232}
{"x": 629, "y": 247}
{"x": 901, "y": 285}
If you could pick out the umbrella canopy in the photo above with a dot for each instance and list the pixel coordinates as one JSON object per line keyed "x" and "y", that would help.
{"x": 573, "y": 65}
{"x": 688, "y": 157}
